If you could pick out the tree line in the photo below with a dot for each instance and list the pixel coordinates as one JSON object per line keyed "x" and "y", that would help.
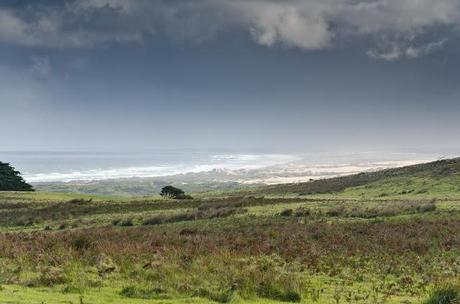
{"x": 11, "y": 179}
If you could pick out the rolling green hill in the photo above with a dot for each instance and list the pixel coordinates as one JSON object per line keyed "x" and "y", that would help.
{"x": 439, "y": 178}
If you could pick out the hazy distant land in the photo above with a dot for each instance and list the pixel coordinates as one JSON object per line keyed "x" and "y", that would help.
{"x": 223, "y": 179}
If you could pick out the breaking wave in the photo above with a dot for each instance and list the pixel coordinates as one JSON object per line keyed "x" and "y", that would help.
{"x": 230, "y": 162}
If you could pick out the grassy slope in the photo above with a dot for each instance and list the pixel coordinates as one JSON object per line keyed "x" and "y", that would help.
{"x": 360, "y": 203}
{"x": 440, "y": 179}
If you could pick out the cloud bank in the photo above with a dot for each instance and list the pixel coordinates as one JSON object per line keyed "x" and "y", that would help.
{"x": 399, "y": 27}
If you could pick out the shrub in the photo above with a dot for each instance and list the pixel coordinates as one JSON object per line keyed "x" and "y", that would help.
{"x": 24, "y": 221}
{"x": 271, "y": 291}
{"x": 81, "y": 243}
{"x": 428, "y": 207}
{"x": 302, "y": 212}
{"x": 184, "y": 197}
{"x": 224, "y": 212}
{"x": 78, "y": 278}
{"x": 51, "y": 276}
{"x": 62, "y": 226}
{"x": 287, "y": 212}
{"x": 142, "y": 293}
{"x": 152, "y": 221}
{"x": 80, "y": 201}
{"x": 123, "y": 222}
{"x": 446, "y": 295}
{"x": 338, "y": 211}
{"x": 129, "y": 292}
{"x": 126, "y": 223}
{"x": 115, "y": 222}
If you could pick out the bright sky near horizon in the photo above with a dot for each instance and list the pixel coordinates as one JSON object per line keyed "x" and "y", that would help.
{"x": 311, "y": 75}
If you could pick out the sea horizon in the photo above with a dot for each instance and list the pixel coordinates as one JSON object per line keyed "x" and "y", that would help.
{"x": 70, "y": 166}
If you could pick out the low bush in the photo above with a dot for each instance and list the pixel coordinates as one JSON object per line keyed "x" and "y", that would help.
{"x": 126, "y": 223}
{"x": 80, "y": 201}
{"x": 427, "y": 207}
{"x": 287, "y": 212}
{"x": 115, "y": 222}
{"x": 273, "y": 292}
{"x": 336, "y": 211}
{"x": 445, "y": 295}
{"x": 51, "y": 276}
{"x": 157, "y": 220}
{"x": 24, "y": 221}
{"x": 300, "y": 212}
{"x": 81, "y": 243}
{"x": 142, "y": 293}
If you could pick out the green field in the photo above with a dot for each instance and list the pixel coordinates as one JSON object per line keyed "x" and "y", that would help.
{"x": 391, "y": 236}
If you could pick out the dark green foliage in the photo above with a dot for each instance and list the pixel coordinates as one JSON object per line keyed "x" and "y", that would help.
{"x": 143, "y": 293}
{"x": 127, "y": 223}
{"x": 135, "y": 292}
{"x": 173, "y": 192}
{"x": 115, "y": 222}
{"x": 80, "y": 201}
{"x": 11, "y": 180}
{"x": 302, "y": 212}
{"x": 286, "y": 212}
{"x": 81, "y": 243}
{"x": 273, "y": 292}
{"x": 129, "y": 292}
{"x": 448, "y": 295}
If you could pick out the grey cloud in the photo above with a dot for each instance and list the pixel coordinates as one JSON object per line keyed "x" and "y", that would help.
{"x": 288, "y": 24}
{"x": 395, "y": 48}
{"x": 308, "y": 25}
{"x": 66, "y": 27}
{"x": 428, "y": 48}
{"x": 399, "y": 16}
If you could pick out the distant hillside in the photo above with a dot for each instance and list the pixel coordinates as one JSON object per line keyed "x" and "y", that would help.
{"x": 132, "y": 186}
{"x": 11, "y": 180}
{"x": 437, "y": 170}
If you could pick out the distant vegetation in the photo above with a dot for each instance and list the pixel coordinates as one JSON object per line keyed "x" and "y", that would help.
{"x": 134, "y": 186}
{"x": 173, "y": 192}
{"x": 11, "y": 180}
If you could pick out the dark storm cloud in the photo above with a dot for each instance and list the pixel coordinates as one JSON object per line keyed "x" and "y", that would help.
{"x": 274, "y": 75}
{"x": 307, "y": 25}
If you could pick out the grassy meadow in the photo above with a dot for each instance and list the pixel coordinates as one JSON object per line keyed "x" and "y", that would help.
{"x": 391, "y": 236}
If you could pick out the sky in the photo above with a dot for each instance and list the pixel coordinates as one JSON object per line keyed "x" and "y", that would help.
{"x": 244, "y": 75}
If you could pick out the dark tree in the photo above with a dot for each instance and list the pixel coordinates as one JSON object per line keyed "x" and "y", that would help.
{"x": 173, "y": 192}
{"x": 11, "y": 180}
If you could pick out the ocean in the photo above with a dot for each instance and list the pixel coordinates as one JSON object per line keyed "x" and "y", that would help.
{"x": 39, "y": 167}
{"x": 87, "y": 166}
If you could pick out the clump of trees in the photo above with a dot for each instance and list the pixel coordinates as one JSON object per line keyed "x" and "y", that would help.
{"x": 173, "y": 192}
{"x": 11, "y": 180}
